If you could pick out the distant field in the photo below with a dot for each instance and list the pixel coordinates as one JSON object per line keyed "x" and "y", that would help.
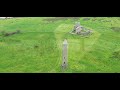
{"x": 38, "y": 46}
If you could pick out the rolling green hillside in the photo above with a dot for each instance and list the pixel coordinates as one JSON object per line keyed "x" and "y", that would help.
{"x": 38, "y": 46}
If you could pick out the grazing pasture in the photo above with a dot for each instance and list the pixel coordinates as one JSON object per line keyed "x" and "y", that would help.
{"x": 34, "y": 45}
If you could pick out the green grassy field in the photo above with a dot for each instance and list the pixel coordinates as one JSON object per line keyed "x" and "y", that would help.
{"x": 38, "y": 48}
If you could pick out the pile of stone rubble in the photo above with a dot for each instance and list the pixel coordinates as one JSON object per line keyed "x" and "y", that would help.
{"x": 80, "y": 30}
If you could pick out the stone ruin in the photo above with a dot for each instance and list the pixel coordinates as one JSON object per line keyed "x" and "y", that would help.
{"x": 80, "y": 30}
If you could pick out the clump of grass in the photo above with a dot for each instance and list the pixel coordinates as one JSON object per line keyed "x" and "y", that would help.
{"x": 116, "y": 29}
{"x": 116, "y": 55}
{"x": 4, "y": 33}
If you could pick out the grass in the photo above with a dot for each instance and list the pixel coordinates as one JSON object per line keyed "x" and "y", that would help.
{"x": 38, "y": 49}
